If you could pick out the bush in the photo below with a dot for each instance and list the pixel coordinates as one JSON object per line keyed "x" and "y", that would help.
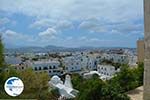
{"x": 35, "y": 85}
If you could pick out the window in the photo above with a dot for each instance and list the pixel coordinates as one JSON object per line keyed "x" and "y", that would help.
{"x": 35, "y": 68}
{"x": 50, "y": 67}
{"x": 45, "y": 68}
{"x": 54, "y": 67}
{"x": 54, "y": 71}
{"x": 66, "y": 68}
{"x": 39, "y": 68}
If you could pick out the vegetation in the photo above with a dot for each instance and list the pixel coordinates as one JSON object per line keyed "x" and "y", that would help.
{"x": 114, "y": 89}
{"x": 1, "y": 54}
{"x": 128, "y": 78}
{"x": 35, "y": 85}
{"x": 111, "y": 62}
{"x": 96, "y": 89}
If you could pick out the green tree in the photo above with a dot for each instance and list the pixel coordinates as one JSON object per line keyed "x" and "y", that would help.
{"x": 91, "y": 90}
{"x": 113, "y": 91}
{"x": 1, "y": 53}
{"x": 140, "y": 73}
{"x": 96, "y": 89}
{"x": 2, "y": 76}
{"x": 35, "y": 85}
{"x": 129, "y": 78}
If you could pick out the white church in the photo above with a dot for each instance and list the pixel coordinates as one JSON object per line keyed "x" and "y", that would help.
{"x": 65, "y": 89}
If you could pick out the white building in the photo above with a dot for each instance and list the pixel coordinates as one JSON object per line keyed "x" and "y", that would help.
{"x": 13, "y": 60}
{"x": 107, "y": 71}
{"x": 133, "y": 60}
{"x": 116, "y": 58}
{"x": 65, "y": 90}
{"x": 51, "y": 67}
{"x": 90, "y": 74}
{"x": 78, "y": 63}
{"x": 16, "y": 62}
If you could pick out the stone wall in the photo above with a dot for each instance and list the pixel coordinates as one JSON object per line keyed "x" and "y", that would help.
{"x": 147, "y": 50}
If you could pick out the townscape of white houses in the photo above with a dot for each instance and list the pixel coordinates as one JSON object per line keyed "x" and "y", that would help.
{"x": 85, "y": 63}
{"x": 104, "y": 63}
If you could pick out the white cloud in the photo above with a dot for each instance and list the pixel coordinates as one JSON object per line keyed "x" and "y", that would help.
{"x": 12, "y": 38}
{"x": 93, "y": 26}
{"x": 113, "y": 10}
{"x": 2, "y": 29}
{"x": 83, "y": 38}
{"x": 127, "y": 27}
{"x": 49, "y": 33}
{"x": 43, "y": 23}
{"x": 69, "y": 38}
{"x": 102, "y": 26}
{"x": 94, "y": 39}
{"x": 4, "y": 20}
{"x": 9, "y": 34}
{"x": 64, "y": 24}
{"x": 21, "y": 39}
{"x": 100, "y": 16}
{"x": 55, "y": 24}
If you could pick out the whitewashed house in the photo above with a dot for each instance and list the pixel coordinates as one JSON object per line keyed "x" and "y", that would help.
{"x": 72, "y": 64}
{"x": 51, "y": 67}
{"x": 133, "y": 60}
{"x": 78, "y": 63}
{"x": 116, "y": 58}
{"x": 107, "y": 71}
{"x": 90, "y": 74}
{"x": 16, "y": 63}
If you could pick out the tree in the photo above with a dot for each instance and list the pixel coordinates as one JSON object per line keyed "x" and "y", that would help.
{"x": 1, "y": 53}
{"x": 91, "y": 89}
{"x": 140, "y": 73}
{"x": 128, "y": 78}
{"x": 96, "y": 89}
{"x": 113, "y": 92}
{"x": 35, "y": 85}
{"x": 2, "y": 77}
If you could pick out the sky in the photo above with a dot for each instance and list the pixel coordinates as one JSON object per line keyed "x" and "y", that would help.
{"x": 71, "y": 23}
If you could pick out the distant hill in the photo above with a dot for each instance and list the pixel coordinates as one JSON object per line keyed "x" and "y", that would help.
{"x": 51, "y": 48}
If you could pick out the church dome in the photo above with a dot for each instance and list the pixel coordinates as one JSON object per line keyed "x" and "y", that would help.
{"x": 55, "y": 79}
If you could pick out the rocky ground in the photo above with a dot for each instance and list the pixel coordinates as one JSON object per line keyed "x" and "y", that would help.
{"x": 136, "y": 94}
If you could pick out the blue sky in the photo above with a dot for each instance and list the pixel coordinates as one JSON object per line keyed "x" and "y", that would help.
{"x": 71, "y": 23}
